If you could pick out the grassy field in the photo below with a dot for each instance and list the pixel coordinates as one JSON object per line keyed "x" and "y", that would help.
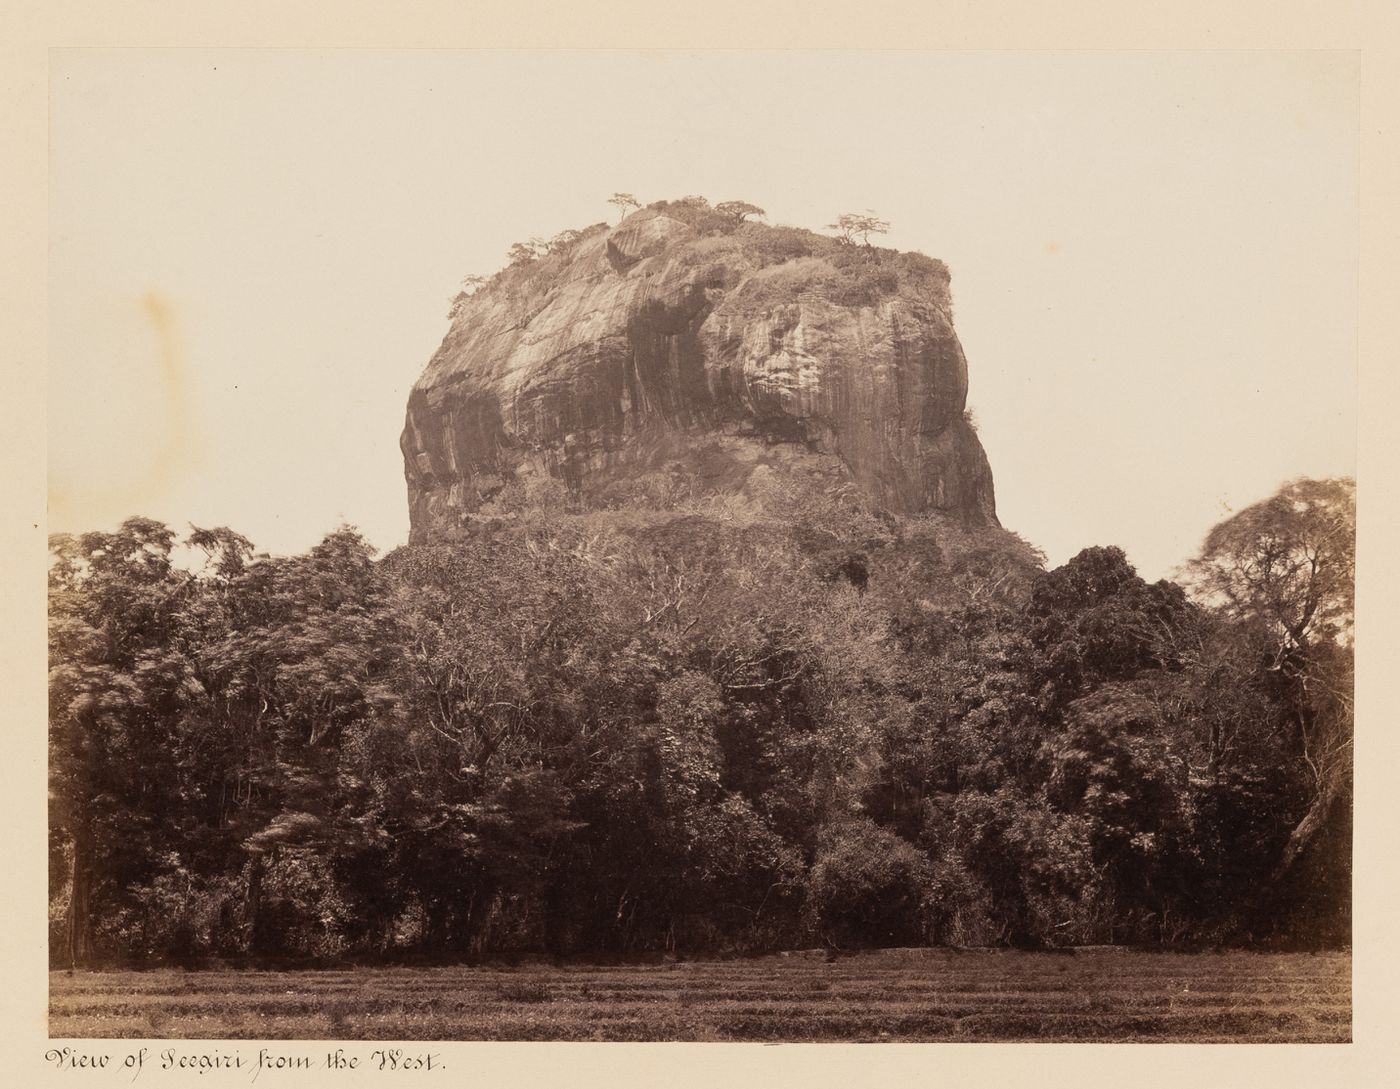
{"x": 892, "y": 995}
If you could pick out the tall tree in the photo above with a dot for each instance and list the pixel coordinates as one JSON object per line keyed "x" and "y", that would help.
{"x": 739, "y": 209}
{"x": 623, "y": 201}
{"x": 116, "y": 687}
{"x": 853, "y": 225}
{"x": 1286, "y": 569}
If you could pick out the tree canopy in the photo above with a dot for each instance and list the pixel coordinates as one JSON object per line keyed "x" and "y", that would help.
{"x": 623, "y": 201}
{"x": 697, "y": 726}
{"x": 857, "y": 225}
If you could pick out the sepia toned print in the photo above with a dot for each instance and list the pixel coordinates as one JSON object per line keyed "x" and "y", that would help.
{"x": 711, "y": 691}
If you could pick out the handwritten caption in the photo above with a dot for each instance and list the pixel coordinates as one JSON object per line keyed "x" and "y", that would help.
{"x": 265, "y": 1060}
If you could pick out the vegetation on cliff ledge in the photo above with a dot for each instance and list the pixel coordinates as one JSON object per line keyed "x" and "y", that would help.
{"x": 855, "y": 274}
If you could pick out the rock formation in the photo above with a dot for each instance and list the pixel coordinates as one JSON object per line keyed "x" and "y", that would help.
{"x": 682, "y": 343}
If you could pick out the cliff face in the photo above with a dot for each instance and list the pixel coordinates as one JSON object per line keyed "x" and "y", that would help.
{"x": 662, "y": 346}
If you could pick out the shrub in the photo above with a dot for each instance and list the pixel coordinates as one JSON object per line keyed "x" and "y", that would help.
{"x": 865, "y": 285}
{"x": 739, "y": 209}
{"x": 303, "y": 911}
{"x": 868, "y": 887}
{"x": 695, "y": 212}
{"x": 961, "y": 911}
{"x": 1030, "y": 867}
{"x": 774, "y": 245}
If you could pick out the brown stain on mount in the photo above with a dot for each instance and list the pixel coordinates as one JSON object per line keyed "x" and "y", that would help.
{"x": 175, "y": 446}
{"x": 162, "y": 438}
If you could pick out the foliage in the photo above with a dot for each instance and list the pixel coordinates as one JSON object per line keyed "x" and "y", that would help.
{"x": 697, "y": 725}
{"x": 731, "y": 247}
{"x": 1284, "y": 570}
{"x": 739, "y": 209}
{"x": 1287, "y": 563}
{"x": 696, "y": 213}
{"x": 524, "y": 252}
{"x": 868, "y": 886}
{"x": 623, "y": 201}
{"x": 853, "y": 225}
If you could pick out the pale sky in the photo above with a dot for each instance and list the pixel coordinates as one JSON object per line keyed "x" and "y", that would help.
{"x": 1154, "y": 258}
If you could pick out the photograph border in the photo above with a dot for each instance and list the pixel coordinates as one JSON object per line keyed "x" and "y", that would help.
{"x": 1367, "y": 29}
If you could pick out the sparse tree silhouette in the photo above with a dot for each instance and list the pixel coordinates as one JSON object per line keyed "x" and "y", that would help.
{"x": 739, "y": 209}
{"x": 859, "y": 226}
{"x": 623, "y": 202}
{"x": 470, "y": 286}
{"x": 525, "y": 251}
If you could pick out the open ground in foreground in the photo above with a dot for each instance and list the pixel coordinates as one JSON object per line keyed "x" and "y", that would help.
{"x": 911, "y": 995}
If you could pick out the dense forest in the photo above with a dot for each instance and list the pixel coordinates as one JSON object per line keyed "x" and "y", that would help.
{"x": 697, "y": 725}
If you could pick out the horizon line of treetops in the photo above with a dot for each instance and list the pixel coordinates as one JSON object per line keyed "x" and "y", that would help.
{"x": 694, "y": 725}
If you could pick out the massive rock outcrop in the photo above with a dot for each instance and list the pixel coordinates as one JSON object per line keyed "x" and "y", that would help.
{"x": 679, "y": 343}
